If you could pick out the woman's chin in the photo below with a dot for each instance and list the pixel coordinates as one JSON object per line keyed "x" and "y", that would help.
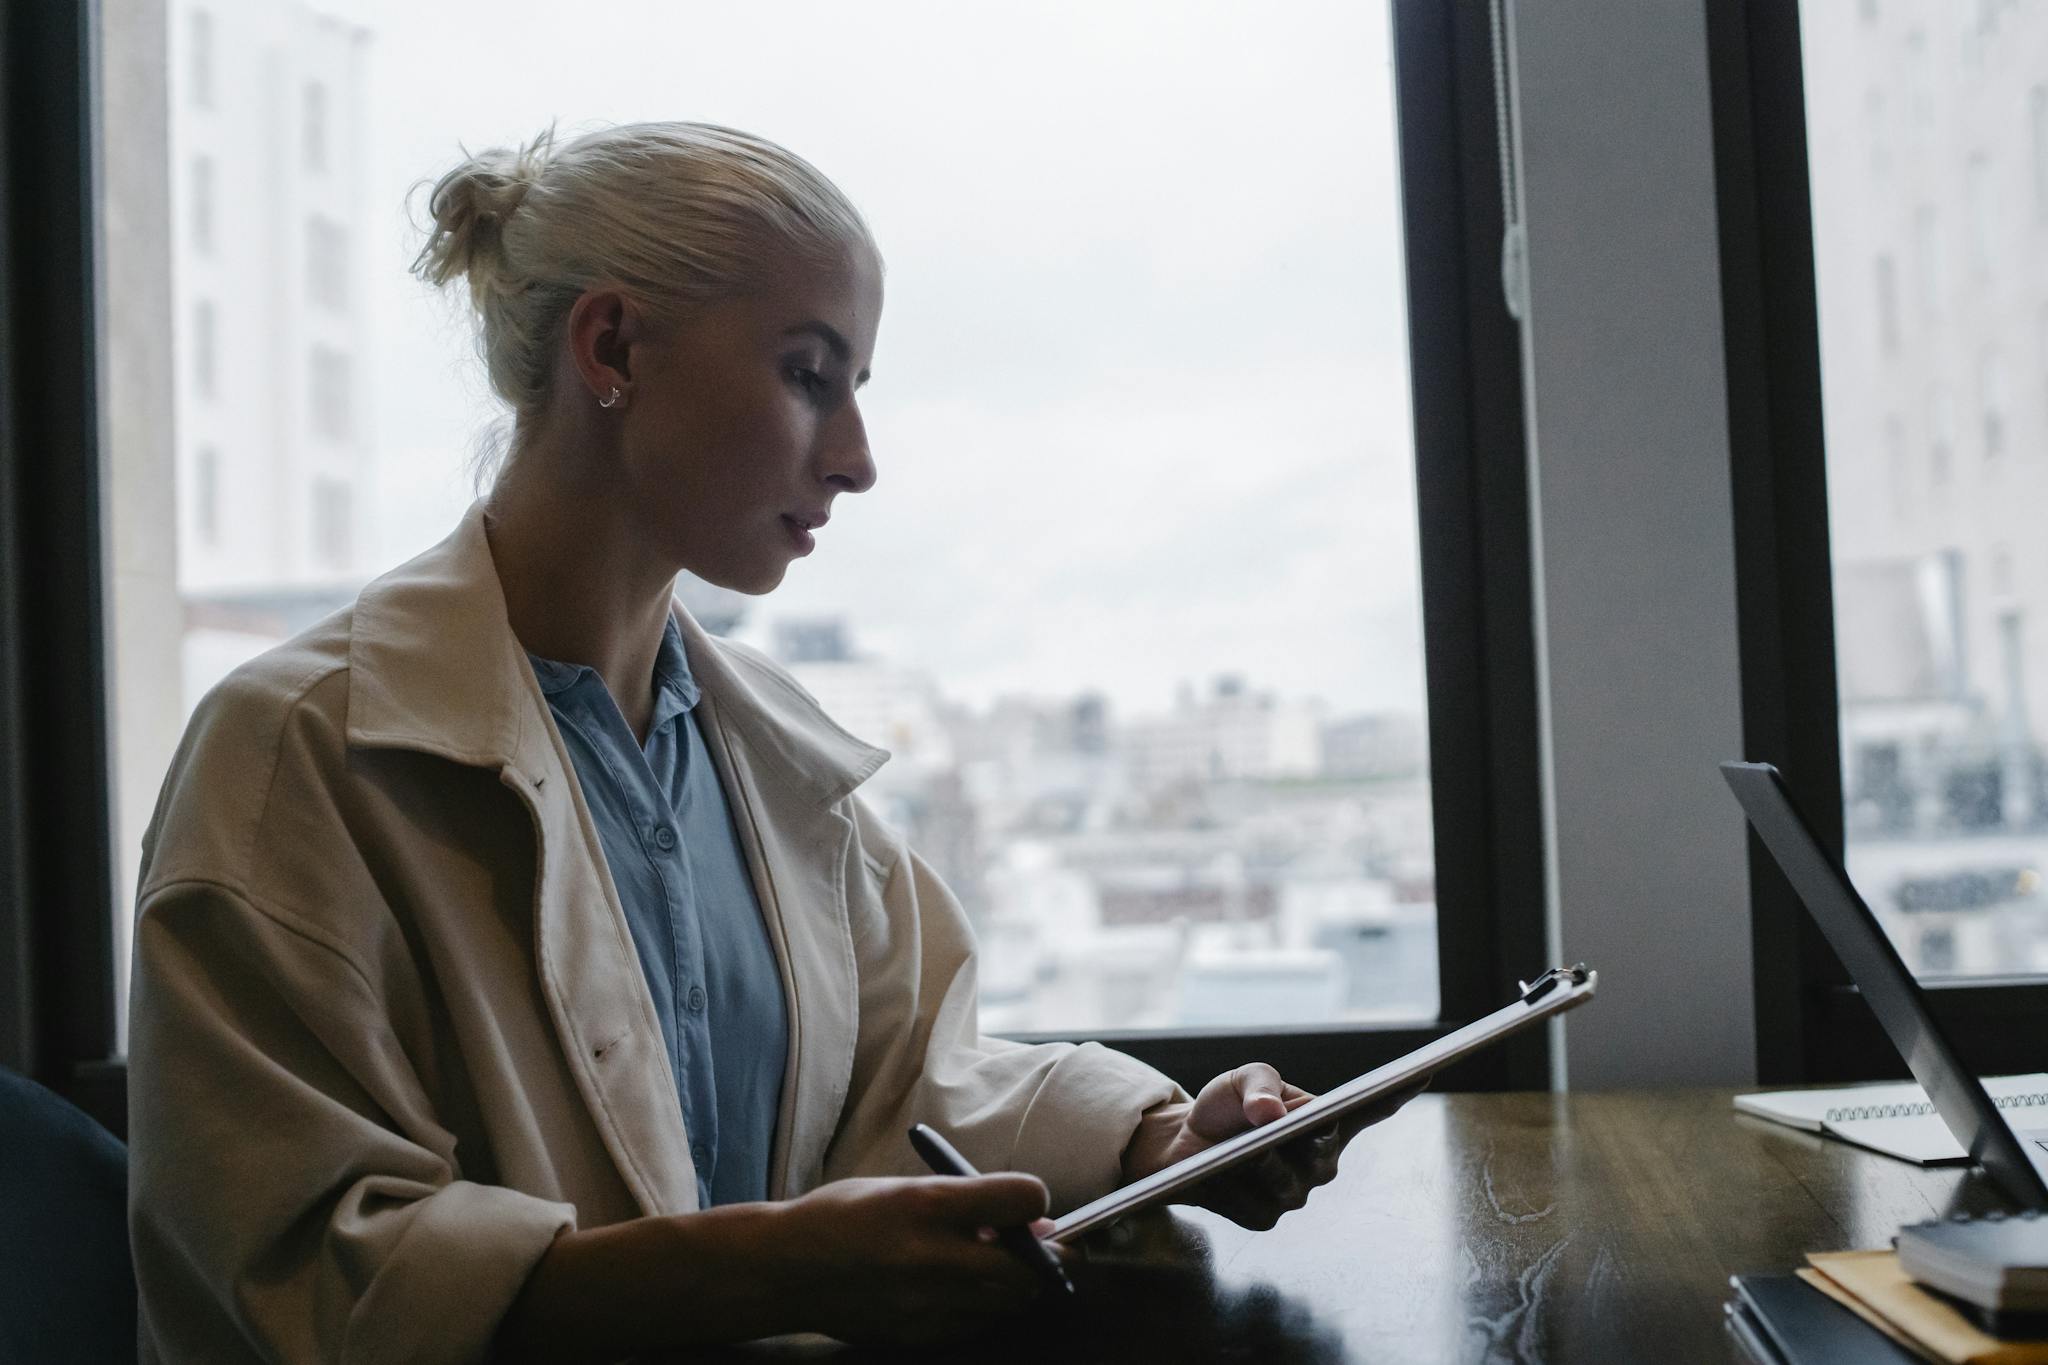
{"x": 754, "y": 580}
{"x": 766, "y": 584}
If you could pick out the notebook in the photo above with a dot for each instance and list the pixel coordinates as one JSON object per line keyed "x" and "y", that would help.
{"x": 1894, "y": 1119}
{"x": 1780, "y": 1321}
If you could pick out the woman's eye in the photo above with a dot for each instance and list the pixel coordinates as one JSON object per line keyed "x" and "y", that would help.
{"x": 809, "y": 380}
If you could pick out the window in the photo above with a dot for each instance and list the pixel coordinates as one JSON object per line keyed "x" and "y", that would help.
{"x": 1919, "y": 77}
{"x": 1887, "y": 306}
{"x": 329, "y": 400}
{"x": 1977, "y": 206}
{"x": 1927, "y": 247}
{"x": 2041, "y": 374}
{"x": 199, "y": 70}
{"x": 1128, "y": 745}
{"x": 1941, "y": 437}
{"x": 326, "y": 264}
{"x": 332, "y": 509}
{"x": 204, "y": 358}
{"x": 2037, "y": 103}
{"x": 206, "y": 495}
{"x": 202, "y": 205}
{"x": 1943, "y": 688}
{"x": 313, "y": 126}
{"x": 1991, "y": 374}
{"x": 1898, "y": 467}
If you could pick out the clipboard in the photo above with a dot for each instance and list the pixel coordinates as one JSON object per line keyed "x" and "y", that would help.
{"x": 1557, "y": 990}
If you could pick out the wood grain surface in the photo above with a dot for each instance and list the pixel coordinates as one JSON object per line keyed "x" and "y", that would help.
{"x": 1481, "y": 1228}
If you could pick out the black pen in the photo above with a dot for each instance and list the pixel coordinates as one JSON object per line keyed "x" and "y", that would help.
{"x": 941, "y": 1156}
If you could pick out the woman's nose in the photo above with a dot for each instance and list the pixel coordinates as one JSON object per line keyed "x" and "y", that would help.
{"x": 849, "y": 464}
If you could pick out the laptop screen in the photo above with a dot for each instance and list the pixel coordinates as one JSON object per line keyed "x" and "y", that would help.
{"x": 1882, "y": 976}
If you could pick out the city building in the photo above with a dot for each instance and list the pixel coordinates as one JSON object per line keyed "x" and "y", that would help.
{"x": 1382, "y": 745}
{"x": 1231, "y": 732}
{"x": 1928, "y": 128}
{"x": 270, "y": 320}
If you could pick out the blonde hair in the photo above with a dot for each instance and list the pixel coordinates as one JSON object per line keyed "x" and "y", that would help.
{"x": 677, "y": 214}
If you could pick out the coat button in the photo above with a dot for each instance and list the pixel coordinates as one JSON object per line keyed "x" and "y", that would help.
{"x": 665, "y": 837}
{"x": 701, "y": 1154}
{"x": 697, "y": 999}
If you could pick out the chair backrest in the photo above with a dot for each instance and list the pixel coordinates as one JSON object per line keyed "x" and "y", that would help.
{"x": 67, "y": 1284}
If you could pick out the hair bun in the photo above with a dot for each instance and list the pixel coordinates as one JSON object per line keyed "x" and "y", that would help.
{"x": 470, "y": 206}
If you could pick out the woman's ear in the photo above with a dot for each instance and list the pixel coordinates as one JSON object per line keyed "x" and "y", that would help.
{"x": 603, "y": 327}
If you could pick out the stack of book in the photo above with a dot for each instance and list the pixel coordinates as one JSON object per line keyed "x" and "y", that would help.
{"x": 1961, "y": 1292}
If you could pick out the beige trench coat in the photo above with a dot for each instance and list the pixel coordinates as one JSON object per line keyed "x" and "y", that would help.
{"x": 389, "y": 1036}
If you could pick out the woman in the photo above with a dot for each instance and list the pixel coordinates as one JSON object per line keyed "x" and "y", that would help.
{"x": 516, "y": 964}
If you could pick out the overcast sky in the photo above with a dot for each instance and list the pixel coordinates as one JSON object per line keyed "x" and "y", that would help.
{"x": 1140, "y": 399}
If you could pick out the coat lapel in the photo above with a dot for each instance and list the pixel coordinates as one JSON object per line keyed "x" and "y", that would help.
{"x": 590, "y": 977}
{"x": 787, "y": 770}
{"x": 803, "y": 900}
{"x": 435, "y": 667}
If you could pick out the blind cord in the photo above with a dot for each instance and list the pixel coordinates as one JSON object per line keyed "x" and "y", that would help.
{"x": 1514, "y": 243}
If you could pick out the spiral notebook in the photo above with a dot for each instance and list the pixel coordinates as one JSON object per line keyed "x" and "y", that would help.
{"x": 1894, "y": 1119}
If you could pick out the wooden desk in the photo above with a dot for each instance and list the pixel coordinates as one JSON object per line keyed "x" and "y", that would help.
{"x": 1486, "y": 1228}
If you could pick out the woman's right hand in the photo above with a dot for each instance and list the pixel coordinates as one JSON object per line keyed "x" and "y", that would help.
{"x": 904, "y": 1260}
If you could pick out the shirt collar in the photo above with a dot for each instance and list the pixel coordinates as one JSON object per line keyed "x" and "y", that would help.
{"x": 555, "y": 677}
{"x": 675, "y": 689}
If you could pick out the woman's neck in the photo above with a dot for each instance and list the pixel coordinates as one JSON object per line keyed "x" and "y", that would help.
{"x": 579, "y": 584}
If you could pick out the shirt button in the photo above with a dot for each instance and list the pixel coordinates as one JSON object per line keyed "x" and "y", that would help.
{"x": 697, "y": 998}
{"x": 702, "y": 1154}
{"x": 665, "y": 837}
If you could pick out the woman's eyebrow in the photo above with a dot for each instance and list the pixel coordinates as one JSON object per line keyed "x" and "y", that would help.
{"x": 825, "y": 332}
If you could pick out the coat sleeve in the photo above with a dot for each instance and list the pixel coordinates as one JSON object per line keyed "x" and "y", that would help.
{"x": 291, "y": 1196}
{"x": 1061, "y": 1111}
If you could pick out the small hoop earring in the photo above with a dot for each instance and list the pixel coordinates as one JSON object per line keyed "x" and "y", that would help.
{"x": 610, "y": 400}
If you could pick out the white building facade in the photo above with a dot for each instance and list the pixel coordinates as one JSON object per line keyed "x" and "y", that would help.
{"x": 1929, "y": 152}
{"x": 270, "y": 320}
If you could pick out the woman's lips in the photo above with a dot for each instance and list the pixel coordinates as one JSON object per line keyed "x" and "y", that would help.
{"x": 798, "y": 536}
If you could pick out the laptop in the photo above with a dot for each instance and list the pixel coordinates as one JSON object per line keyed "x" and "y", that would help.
{"x": 2018, "y": 1161}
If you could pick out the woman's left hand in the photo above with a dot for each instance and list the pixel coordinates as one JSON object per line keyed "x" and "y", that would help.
{"x": 1255, "y": 1193}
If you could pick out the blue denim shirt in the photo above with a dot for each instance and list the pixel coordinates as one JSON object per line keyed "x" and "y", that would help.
{"x": 668, "y": 839}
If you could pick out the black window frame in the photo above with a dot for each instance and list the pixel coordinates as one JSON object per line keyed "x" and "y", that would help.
{"x": 57, "y": 998}
{"x": 1812, "y": 1024}
{"x": 57, "y": 880}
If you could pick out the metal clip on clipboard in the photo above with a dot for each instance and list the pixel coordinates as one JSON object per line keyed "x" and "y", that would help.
{"x": 1532, "y": 991}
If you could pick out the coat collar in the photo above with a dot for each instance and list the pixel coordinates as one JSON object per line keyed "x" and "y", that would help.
{"x": 434, "y": 666}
